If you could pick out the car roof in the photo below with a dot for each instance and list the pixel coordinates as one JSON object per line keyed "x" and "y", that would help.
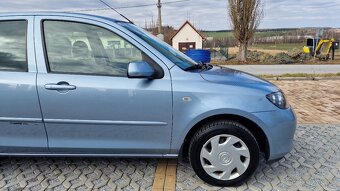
{"x": 82, "y": 15}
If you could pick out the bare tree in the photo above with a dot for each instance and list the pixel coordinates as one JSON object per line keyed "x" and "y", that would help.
{"x": 245, "y": 17}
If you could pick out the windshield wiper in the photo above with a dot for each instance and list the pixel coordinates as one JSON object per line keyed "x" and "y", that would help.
{"x": 194, "y": 67}
{"x": 199, "y": 66}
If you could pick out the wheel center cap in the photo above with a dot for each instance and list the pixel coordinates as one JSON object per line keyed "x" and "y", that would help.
{"x": 225, "y": 157}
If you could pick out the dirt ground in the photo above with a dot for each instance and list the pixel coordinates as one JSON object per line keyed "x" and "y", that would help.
{"x": 276, "y": 56}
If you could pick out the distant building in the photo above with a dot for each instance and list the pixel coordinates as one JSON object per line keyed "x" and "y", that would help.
{"x": 187, "y": 37}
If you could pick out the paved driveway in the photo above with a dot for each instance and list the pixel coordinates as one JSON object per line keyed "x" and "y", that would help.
{"x": 76, "y": 174}
{"x": 312, "y": 165}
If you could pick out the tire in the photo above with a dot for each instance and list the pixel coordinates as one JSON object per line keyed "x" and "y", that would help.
{"x": 234, "y": 159}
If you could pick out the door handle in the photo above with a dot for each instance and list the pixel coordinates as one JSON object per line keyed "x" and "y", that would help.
{"x": 61, "y": 86}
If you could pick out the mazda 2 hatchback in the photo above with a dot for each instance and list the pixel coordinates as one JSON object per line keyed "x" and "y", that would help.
{"x": 83, "y": 85}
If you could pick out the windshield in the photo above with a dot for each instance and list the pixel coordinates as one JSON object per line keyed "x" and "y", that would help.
{"x": 175, "y": 56}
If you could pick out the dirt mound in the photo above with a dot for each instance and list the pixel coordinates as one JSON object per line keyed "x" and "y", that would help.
{"x": 292, "y": 56}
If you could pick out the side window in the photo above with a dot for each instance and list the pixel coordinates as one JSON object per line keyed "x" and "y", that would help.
{"x": 13, "y": 56}
{"x": 78, "y": 48}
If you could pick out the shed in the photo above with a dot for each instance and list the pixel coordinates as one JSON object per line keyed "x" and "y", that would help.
{"x": 187, "y": 37}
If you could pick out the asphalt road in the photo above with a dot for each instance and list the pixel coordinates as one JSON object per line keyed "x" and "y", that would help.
{"x": 286, "y": 69}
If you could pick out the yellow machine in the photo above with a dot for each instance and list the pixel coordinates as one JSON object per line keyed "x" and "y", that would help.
{"x": 315, "y": 45}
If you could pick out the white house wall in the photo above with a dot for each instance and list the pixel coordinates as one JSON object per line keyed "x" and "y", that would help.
{"x": 187, "y": 34}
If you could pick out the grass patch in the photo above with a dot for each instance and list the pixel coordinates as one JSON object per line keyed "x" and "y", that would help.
{"x": 258, "y": 34}
{"x": 220, "y": 34}
{"x": 297, "y": 75}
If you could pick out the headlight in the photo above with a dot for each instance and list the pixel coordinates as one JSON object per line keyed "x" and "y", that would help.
{"x": 278, "y": 99}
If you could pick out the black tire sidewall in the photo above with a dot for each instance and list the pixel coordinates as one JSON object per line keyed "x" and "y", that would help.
{"x": 231, "y": 129}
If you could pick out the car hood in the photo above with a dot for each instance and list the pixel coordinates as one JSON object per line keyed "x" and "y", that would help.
{"x": 229, "y": 76}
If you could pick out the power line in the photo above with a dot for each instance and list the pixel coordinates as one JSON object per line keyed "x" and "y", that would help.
{"x": 103, "y": 9}
{"x": 124, "y": 7}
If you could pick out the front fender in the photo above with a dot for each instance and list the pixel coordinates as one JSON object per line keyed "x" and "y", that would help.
{"x": 182, "y": 125}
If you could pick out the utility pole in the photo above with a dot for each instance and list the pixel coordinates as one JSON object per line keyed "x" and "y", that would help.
{"x": 159, "y": 6}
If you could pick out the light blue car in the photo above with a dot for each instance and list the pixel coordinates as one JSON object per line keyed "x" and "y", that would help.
{"x": 84, "y": 85}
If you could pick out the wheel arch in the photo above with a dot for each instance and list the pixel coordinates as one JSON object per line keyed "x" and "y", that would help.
{"x": 253, "y": 127}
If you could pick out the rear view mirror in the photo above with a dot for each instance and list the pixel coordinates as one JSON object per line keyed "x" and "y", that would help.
{"x": 140, "y": 69}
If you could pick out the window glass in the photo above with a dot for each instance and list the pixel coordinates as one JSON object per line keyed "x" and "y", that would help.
{"x": 177, "y": 57}
{"x": 87, "y": 49}
{"x": 13, "y": 46}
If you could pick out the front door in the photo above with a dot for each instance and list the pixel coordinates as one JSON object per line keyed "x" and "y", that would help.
{"x": 88, "y": 102}
{"x": 21, "y": 126}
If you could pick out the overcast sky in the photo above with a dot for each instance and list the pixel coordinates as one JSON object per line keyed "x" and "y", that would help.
{"x": 205, "y": 14}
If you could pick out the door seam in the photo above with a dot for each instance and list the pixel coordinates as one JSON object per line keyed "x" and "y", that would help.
{"x": 36, "y": 83}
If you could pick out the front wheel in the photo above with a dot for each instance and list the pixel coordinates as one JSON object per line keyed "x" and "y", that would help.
{"x": 224, "y": 153}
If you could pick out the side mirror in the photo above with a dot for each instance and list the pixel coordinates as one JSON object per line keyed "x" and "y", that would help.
{"x": 140, "y": 69}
